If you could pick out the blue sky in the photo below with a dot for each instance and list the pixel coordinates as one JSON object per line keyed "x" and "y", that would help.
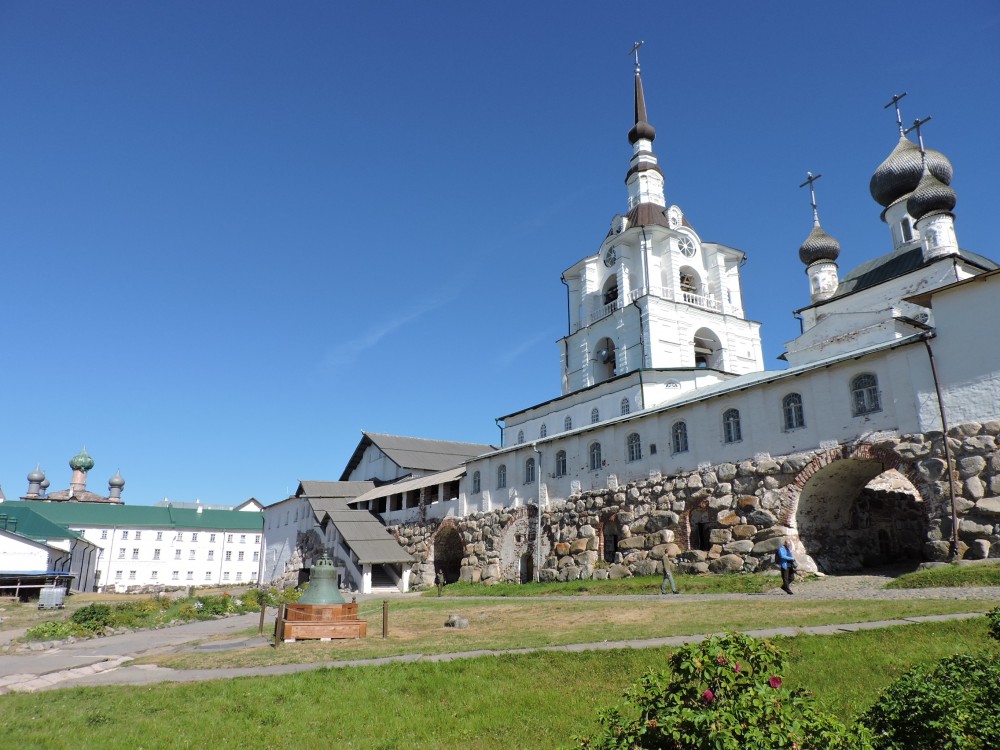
{"x": 235, "y": 234}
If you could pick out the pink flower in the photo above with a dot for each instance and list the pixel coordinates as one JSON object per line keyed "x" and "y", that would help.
{"x": 736, "y": 666}
{"x": 775, "y": 682}
{"x": 708, "y": 696}
{"x": 721, "y": 660}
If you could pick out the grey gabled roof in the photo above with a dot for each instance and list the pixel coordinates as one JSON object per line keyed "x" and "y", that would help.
{"x": 418, "y": 454}
{"x": 368, "y": 538}
{"x": 312, "y": 488}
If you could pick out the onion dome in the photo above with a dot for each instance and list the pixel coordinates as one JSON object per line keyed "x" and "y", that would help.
{"x": 930, "y": 195}
{"x": 44, "y": 484}
{"x": 37, "y": 475}
{"x": 902, "y": 169}
{"x": 81, "y": 462}
{"x": 116, "y": 480}
{"x": 818, "y": 246}
{"x": 642, "y": 130}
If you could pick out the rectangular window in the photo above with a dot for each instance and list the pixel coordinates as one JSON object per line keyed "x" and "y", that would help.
{"x": 239, "y": 576}
{"x": 229, "y": 556}
{"x": 118, "y": 575}
{"x": 256, "y": 539}
{"x": 156, "y": 554}
{"x": 190, "y": 575}
{"x": 211, "y": 554}
{"x": 239, "y": 557}
{"x": 208, "y": 576}
{"x": 138, "y": 535}
{"x": 135, "y": 553}
{"x": 131, "y": 575}
{"x": 191, "y": 555}
{"x": 177, "y": 554}
{"x": 159, "y": 536}
{"x": 153, "y": 576}
{"x": 124, "y": 535}
{"x": 211, "y": 538}
{"x": 194, "y": 536}
{"x": 225, "y": 576}
{"x": 179, "y": 537}
{"x": 104, "y": 533}
{"x": 243, "y": 538}
{"x": 175, "y": 576}
{"x": 253, "y": 576}
{"x": 229, "y": 538}
{"x": 121, "y": 553}
{"x": 256, "y": 556}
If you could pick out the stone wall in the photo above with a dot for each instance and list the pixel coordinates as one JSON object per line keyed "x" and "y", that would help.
{"x": 733, "y": 517}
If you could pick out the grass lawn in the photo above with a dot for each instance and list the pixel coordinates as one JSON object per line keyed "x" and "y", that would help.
{"x": 416, "y": 625}
{"x": 743, "y": 583}
{"x": 527, "y": 701}
{"x": 986, "y": 574}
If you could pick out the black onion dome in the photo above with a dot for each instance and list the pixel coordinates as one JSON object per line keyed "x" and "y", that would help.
{"x": 818, "y": 246}
{"x": 901, "y": 171}
{"x": 641, "y": 130}
{"x": 930, "y": 195}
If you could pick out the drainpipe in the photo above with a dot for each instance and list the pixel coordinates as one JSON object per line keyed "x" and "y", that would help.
{"x": 642, "y": 352}
{"x": 569, "y": 320}
{"x": 538, "y": 520}
{"x": 802, "y": 325}
{"x": 499, "y": 427}
{"x": 947, "y": 449}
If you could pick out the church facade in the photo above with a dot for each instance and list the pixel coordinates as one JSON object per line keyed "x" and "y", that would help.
{"x": 669, "y": 433}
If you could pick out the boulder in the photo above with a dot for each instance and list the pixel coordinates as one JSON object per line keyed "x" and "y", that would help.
{"x": 979, "y": 549}
{"x": 616, "y": 572}
{"x": 648, "y": 567}
{"x": 743, "y": 531}
{"x": 726, "y": 564}
{"x": 580, "y": 545}
{"x": 761, "y": 518}
{"x": 726, "y": 472}
{"x": 694, "y": 555}
{"x": 456, "y": 621}
{"x": 768, "y": 546}
{"x": 989, "y": 507}
{"x": 740, "y": 547}
{"x": 634, "y": 542}
{"x": 969, "y": 466}
{"x": 720, "y": 536}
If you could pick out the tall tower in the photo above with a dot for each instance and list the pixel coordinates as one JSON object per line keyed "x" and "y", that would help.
{"x": 655, "y": 296}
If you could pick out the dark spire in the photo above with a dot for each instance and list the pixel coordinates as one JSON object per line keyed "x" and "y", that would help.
{"x": 642, "y": 129}
{"x": 818, "y": 245}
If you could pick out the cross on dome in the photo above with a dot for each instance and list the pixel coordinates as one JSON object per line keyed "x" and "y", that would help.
{"x": 899, "y": 116}
{"x": 810, "y": 179}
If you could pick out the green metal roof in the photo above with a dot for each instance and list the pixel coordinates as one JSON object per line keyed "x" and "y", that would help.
{"x": 33, "y": 525}
{"x": 139, "y": 516}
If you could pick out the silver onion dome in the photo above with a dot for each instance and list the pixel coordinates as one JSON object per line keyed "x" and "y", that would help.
{"x": 930, "y": 195}
{"x": 900, "y": 173}
{"x": 818, "y": 246}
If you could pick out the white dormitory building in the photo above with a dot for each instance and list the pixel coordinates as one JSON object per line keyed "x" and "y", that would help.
{"x": 662, "y": 371}
{"x": 120, "y": 547}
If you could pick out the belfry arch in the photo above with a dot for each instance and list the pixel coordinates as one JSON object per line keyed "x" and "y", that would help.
{"x": 858, "y": 508}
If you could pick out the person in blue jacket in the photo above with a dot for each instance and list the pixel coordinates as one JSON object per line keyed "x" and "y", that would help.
{"x": 786, "y": 559}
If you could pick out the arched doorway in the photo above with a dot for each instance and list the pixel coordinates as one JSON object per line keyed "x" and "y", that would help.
{"x": 448, "y": 553}
{"x": 853, "y": 513}
{"x": 526, "y": 572}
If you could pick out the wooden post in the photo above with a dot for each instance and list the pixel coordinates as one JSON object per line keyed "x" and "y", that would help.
{"x": 385, "y": 618}
{"x": 263, "y": 609}
{"x": 279, "y": 629}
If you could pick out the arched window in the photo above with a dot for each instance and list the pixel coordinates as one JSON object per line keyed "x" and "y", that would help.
{"x": 475, "y": 483}
{"x": 595, "y": 456}
{"x": 543, "y": 431}
{"x": 568, "y": 424}
{"x": 529, "y": 471}
{"x": 561, "y": 464}
{"x": 731, "y": 426}
{"x": 679, "y": 437}
{"x": 625, "y": 406}
{"x": 520, "y": 436}
{"x": 633, "y": 445}
{"x": 595, "y": 416}
{"x": 864, "y": 394}
{"x": 501, "y": 476}
{"x": 791, "y": 407}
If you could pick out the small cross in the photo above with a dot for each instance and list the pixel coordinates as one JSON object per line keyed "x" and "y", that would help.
{"x": 635, "y": 51}
{"x": 899, "y": 117}
{"x": 917, "y": 124}
{"x": 810, "y": 179}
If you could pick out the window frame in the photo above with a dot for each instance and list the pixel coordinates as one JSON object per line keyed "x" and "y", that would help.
{"x": 529, "y": 470}
{"x": 594, "y": 457}
{"x": 502, "y": 477}
{"x": 560, "y": 463}
{"x": 866, "y": 386}
{"x": 626, "y": 406}
{"x": 732, "y": 426}
{"x": 792, "y": 414}
{"x": 568, "y": 424}
{"x": 633, "y": 447}
{"x": 476, "y": 483}
{"x": 679, "y": 432}
{"x": 595, "y": 415}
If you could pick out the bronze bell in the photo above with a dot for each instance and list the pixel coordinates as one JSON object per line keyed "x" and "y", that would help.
{"x": 322, "y": 584}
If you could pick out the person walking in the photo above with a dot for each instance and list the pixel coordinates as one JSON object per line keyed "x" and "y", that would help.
{"x": 786, "y": 560}
{"x": 668, "y": 577}
{"x": 440, "y": 582}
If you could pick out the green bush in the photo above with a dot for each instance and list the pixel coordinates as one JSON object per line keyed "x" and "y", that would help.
{"x": 290, "y": 596}
{"x": 724, "y": 693}
{"x": 993, "y": 620}
{"x": 94, "y": 617}
{"x": 56, "y": 630}
{"x": 253, "y": 598}
{"x": 951, "y": 705}
{"x": 187, "y": 611}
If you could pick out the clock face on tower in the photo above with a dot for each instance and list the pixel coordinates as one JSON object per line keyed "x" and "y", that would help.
{"x": 610, "y": 257}
{"x": 686, "y": 245}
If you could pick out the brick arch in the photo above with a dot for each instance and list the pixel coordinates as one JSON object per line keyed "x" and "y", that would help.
{"x": 880, "y": 452}
{"x": 690, "y": 506}
{"x": 600, "y": 532}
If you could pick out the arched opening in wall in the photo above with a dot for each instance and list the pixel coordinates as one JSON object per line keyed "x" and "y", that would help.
{"x": 605, "y": 366}
{"x": 526, "y": 569}
{"x": 610, "y": 536}
{"x": 707, "y": 349}
{"x": 701, "y": 529}
{"x": 448, "y": 552}
{"x": 690, "y": 285}
{"x": 609, "y": 294}
{"x": 852, "y": 514}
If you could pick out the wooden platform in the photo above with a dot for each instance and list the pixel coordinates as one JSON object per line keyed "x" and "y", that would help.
{"x": 318, "y": 622}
